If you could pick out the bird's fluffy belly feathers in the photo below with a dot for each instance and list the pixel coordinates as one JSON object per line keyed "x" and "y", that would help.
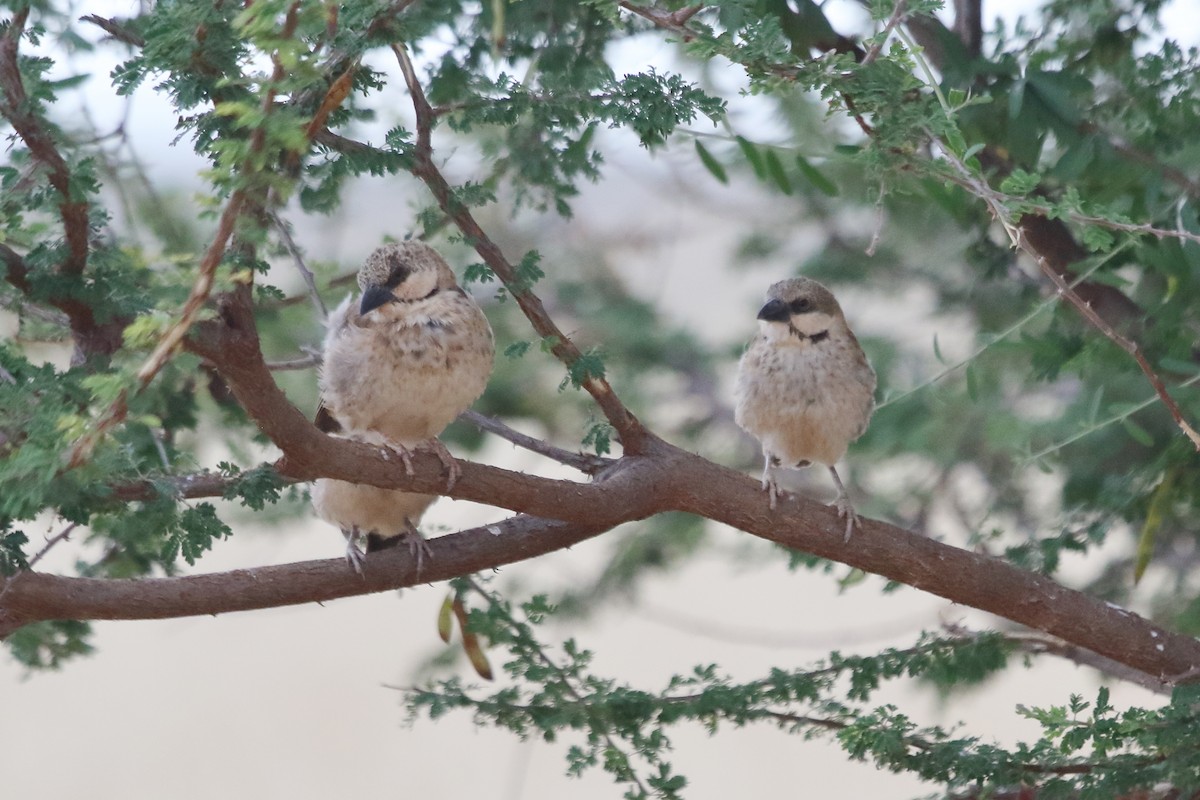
{"x": 387, "y": 512}
{"x": 801, "y": 401}
{"x": 407, "y": 379}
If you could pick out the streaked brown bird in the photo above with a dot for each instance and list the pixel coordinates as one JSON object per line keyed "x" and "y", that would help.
{"x": 804, "y": 387}
{"x": 412, "y": 354}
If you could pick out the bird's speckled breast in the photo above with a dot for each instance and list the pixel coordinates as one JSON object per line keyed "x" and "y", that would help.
{"x": 408, "y": 372}
{"x": 806, "y": 401}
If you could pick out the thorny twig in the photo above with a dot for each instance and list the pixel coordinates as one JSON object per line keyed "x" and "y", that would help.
{"x": 897, "y": 14}
{"x": 62, "y": 535}
{"x": 115, "y": 29}
{"x": 1124, "y": 342}
{"x": 310, "y": 280}
{"x": 629, "y": 430}
{"x": 995, "y": 202}
{"x": 581, "y": 461}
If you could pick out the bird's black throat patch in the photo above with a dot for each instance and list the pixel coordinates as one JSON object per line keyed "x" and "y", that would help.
{"x": 815, "y": 338}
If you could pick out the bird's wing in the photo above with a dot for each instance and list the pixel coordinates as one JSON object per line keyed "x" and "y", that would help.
{"x": 325, "y": 421}
{"x": 335, "y": 325}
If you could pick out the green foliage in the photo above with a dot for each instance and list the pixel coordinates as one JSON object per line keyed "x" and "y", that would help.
{"x": 1091, "y": 747}
{"x": 599, "y": 437}
{"x": 194, "y": 534}
{"x": 624, "y": 730}
{"x": 256, "y": 488}
{"x": 47, "y": 645}
{"x": 12, "y": 556}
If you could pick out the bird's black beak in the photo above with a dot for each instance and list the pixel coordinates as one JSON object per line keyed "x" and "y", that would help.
{"x": 775, "y": 311}
{"x": 373, "y": 297}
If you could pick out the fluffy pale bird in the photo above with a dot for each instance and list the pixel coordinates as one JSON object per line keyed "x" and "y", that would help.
{"x": 399, "y": 365}
{"x": 804, "y": 387}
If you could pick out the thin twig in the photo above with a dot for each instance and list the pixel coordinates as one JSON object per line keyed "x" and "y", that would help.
{"x": 1009, "y": 331}
{"x": 1104, "y": 423}
{"x": 115, "y": 29}
{"x": 670, "y": 20}
{"x": 586, "y": 464}
{"x": 310, "y": 280}
{"x": 199, "y": 294}
{"x": 304, "y": 362}
{"x": 1038, "y": 643}
{"x": 629, "y": 430}
{"x": 185, "y": 487}
{"x": 62, "y": 535}
{"x": 25, "y": 308}
{"x": 897, "y": 14}
{"x": 1124, "y": 342}
{"x": 877, "y": 232}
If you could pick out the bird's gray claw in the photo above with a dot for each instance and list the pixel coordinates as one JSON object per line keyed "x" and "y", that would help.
{"x": 405, "y": 457}
{"x": 418, "y": 548}
{"x": 844, "y": 509}
{"x": 453, "y": 470}
{"x": 355, "y": 557}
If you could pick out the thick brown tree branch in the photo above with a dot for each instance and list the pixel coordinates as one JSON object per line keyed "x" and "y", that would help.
{"x": 664, "y": 478}
{"x": 34, "y": 596}
{"x": 667, "y": 479}
{"x": 968, "y": 25}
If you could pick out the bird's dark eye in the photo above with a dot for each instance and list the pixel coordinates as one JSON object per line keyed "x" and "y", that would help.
{"x": 398, "y": 272}
{"x": 800, "y": 305}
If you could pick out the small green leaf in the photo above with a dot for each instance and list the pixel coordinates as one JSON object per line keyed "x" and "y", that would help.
{"x": 599, "y": 437}
{"x": 823, "y": 184}
{"x": 752, "y": 155}
{"x": 1020, "y": 182}
{"x": 517, "y": 349}
{"x": 710, "y": 163}
{"x": 1137, "y": 432}
{"x": 478, "y": 273}
{"x": 775, "y": 168}
{"x": 1098, "y": 239}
